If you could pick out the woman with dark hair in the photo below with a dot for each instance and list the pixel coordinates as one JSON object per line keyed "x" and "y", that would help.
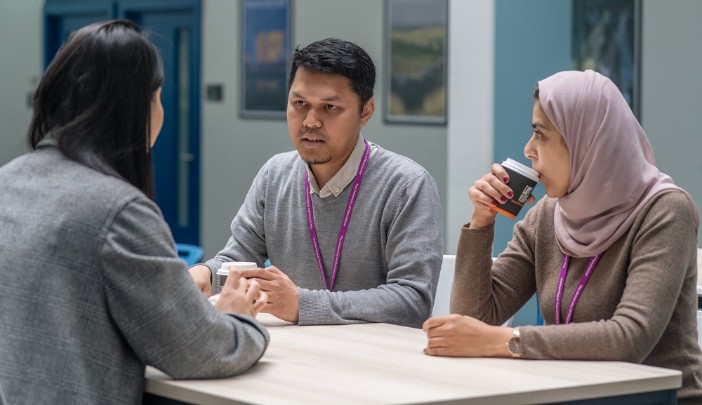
{"x": 91, "y": 287}
{"x": 611, "y": 251}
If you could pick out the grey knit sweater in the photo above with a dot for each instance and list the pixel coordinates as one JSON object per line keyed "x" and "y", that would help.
{"x": 639, "y": 306}
{"x": 392, "y": 255}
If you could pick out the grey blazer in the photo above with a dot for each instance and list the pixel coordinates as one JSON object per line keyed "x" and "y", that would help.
{"x": 91, "y": 291}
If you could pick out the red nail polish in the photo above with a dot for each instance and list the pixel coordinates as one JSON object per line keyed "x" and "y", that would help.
{"x": 510, "y": 194}
{"x": 505, "y": 179}
{"x": 503, "y": 199}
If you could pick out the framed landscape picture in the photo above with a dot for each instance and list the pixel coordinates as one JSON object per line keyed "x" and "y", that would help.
{"x": 266, "y": 36}
{"x": 416, "y": 61}
{"x": 607, "y": 39}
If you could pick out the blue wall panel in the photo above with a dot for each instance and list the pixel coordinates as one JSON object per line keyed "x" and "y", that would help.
{"x": 532, "y": 41}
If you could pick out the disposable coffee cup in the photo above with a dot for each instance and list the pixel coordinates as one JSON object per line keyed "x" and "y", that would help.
{"x": 522, "y": 180}
{"x": 223, "y": 272}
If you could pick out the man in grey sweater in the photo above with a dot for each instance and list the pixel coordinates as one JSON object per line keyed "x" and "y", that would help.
{"x": 353, "y": 231}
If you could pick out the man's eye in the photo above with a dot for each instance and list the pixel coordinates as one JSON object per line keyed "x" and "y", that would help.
{"x": 330, "y": 107}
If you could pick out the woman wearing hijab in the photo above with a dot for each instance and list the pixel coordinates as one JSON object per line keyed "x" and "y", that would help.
{"x": 91, "y": 287}
{"x": 611, "y": 251}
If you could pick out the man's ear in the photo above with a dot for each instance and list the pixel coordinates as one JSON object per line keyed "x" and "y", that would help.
{"x": 367, "y": 111}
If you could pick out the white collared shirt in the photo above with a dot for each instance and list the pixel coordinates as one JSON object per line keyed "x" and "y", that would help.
{"x": 344, "y": 176}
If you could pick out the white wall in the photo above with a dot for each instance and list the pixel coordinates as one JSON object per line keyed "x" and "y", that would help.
{"x": 671, "y": 107}
{"x": 470, "y": 109}
{"x": 21, "y": 36}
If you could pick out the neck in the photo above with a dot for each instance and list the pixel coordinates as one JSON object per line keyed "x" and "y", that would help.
{"x": 324, "y": 172}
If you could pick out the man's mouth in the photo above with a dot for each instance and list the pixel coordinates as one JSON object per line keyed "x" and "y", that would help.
{"x": 312, "y": 139}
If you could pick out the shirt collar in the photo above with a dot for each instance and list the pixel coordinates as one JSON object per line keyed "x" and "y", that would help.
{"x": 344, "y": 176}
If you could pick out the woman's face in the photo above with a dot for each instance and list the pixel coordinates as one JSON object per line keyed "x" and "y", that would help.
{"x": 156, "y": 116}
{"x": 548, "y": 154}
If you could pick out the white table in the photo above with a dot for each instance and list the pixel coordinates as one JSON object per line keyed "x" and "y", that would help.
{"x": 384, "y": 364}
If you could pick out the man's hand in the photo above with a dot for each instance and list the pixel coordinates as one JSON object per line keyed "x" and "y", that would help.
{"x": 202, "y": 276}
{"x": 283, "y": 294}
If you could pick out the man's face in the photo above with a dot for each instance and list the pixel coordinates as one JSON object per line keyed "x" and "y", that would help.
{"x": 325, "y": 118}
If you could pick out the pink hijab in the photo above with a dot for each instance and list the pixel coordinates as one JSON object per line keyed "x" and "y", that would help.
{"x": 613, "y": 172}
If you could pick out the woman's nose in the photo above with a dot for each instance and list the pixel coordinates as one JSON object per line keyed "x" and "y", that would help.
{"x": 529, "y": 150}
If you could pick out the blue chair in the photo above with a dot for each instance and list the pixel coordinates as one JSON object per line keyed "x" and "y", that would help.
{"x": 190, "y": 253}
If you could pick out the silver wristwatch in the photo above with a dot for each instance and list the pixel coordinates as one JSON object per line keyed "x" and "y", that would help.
{"x": 514, "y": 345}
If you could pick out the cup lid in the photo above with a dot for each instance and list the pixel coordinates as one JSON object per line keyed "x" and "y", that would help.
{"x": 239, "y": 265}
{"x": 522, "y": 168}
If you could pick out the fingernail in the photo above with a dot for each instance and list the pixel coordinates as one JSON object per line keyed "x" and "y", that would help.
{"x": 510, "y": 194}
{"x": 505, "y": 179}
{"x": 494, "y": 203}
{"x": 503, "y": 198}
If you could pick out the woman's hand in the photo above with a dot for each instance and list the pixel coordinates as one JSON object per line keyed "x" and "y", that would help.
{"x": 490, "y": 191}
{"x": 463, "y": 336}
{"x": 241, "y": 296}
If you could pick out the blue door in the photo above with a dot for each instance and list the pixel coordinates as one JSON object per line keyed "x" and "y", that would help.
{"x": 175, "y": 31}
{"x": 174, "y": 28}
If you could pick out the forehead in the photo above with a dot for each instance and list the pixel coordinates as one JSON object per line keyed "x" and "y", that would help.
{"x": 539, "y": 117}
{"x": 322, "y": 85}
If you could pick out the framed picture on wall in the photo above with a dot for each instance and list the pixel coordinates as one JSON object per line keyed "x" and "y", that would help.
{"x": 607, "y": 39}
{"x": 266, "y": 36}
{"x": 416, "y": 33}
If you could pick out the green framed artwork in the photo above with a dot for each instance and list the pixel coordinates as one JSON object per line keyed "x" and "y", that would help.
{"x": 416, "y": 61}
{"x": 607, "y": 39}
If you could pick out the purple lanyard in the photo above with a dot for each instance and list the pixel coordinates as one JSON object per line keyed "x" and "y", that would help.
{"x": 344, "y": 224}
{"x": 581, "y": 286}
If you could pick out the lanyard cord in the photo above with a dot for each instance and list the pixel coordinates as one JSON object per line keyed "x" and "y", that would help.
{"x": 344, "y": 224}
{"x": 581, "y": 286}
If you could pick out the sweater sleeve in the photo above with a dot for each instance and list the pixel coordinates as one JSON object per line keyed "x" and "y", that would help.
{"x": 413, "y": 252}
{"x": 153, "y": 301}
{"x": 658, "y": 262}
{"x": 493, "y": 291}
{"x": 247, "y": 241}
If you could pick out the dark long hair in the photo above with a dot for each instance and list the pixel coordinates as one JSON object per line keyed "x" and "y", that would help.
{"x": 95, "y": 100}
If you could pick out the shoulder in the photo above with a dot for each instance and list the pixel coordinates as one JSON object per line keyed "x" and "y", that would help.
{"x": 86, "y": 191}
{"x": 398, "y": 170}
{"x": 284, "y": 158}
{"x": 281, "y": 164}
{"x": 671, "y": 205}
{"x": 401, "y": 164}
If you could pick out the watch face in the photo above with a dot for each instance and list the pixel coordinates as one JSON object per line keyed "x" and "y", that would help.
{"x": 514, "y": 346}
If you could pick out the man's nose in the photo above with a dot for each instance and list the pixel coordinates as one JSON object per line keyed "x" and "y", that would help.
{"x": 311, "y": 120}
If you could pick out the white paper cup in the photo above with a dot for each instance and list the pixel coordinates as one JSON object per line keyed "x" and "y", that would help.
{"x": 223, "y": 272}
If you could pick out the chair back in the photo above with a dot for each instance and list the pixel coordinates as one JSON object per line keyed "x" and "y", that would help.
{"x": 190, "y": 253}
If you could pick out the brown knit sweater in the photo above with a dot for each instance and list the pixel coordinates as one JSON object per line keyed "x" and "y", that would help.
{"x": 639, "y": 306}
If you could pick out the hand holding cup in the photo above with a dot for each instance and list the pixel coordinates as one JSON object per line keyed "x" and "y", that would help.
{"x": 241, "y": 296}
{"x": 505, "y": 190}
